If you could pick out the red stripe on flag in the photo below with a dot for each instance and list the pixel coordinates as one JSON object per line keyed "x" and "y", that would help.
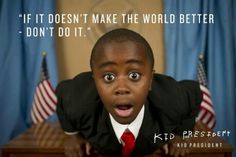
{"x": 207, "y": 101}
{"x": 204, "y": 114}
{"x": 33, "y": 117}
{"x": 42, "y": 102}
{"x": 210, "y": 119}
{"x": 35, "y": 113}
{"x": 48, "y": 98}
{"x": 38, "y": 114}
{"x": 206, "y": 109}
{"x": 52, "y": 91}
{"x": 50, "y": 86}
{"x": 207, "y": 94}
{"x": 39, "y": 106}
{"x": 45, "y": 105}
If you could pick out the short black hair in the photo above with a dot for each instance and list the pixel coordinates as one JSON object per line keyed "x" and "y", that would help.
{"x": 122, "y": 35}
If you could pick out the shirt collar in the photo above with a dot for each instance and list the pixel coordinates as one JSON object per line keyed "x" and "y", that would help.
{"x": 134, "y": 127}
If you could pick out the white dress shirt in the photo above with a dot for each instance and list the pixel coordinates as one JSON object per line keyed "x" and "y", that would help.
{"x": 134, "y": 127}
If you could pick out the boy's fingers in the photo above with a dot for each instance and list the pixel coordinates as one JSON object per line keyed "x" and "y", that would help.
{"x": 88, "y": 148}
{"x": 165, "y": 148}
{"x": 172, "y": 150}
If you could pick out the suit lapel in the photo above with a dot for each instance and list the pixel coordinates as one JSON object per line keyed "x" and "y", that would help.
{"x": 150, "y": 126}
{"x": 105, "y": 140}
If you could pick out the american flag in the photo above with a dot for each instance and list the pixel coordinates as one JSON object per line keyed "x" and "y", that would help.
{"x": 207, "y": 113}
{"x": 44, "y": 101}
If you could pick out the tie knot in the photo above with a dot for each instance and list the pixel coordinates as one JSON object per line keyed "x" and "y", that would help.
{"x": 127, "y": 137}
{"x": 128, "y": 140}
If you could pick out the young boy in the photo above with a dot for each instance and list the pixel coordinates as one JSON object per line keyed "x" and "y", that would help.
{"x": 122, "y": 108}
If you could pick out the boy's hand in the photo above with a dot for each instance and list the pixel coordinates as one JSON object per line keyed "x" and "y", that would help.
{"x": 77, "y": 146}
{"x": 172, "y": 149}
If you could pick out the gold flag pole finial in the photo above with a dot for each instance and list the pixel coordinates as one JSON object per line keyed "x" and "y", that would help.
{"x": 44, "y": 53}
{"x": 201, "y": 56}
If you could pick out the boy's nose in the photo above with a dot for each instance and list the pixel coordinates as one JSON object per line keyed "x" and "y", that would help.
{"x": 122, "y": 91}
{"x": 121, "y": 87}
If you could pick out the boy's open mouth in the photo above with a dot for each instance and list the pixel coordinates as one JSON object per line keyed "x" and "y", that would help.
{"x": 123, "y": 110}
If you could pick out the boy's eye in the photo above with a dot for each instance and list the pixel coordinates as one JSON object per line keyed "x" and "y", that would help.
{"x": 134, "y": 76}
{"x": 109, "y": 77}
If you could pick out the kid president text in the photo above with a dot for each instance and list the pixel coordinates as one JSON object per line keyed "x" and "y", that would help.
{"x": 191, "y": 134}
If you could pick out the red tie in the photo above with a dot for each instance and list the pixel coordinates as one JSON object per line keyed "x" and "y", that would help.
{"x": 129, "y": 143}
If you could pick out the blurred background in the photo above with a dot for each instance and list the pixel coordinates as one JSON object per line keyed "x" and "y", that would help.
{"x": 176, "y": 50}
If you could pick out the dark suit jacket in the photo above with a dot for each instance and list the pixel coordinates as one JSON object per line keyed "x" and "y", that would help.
{"x": 171, "y": 107}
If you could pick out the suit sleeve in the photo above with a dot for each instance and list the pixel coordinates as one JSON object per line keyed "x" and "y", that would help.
{"x": 192, "y": 97}
{"x": 63, "y": 92}
{"x": 77, "y": 104}
{"x": 176, "y": 103}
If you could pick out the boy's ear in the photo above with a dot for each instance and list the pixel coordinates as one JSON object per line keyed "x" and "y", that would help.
{"x": 150, "y": 88}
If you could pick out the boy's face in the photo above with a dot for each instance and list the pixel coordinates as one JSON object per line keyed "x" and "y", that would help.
{"x": 123, "y": 76}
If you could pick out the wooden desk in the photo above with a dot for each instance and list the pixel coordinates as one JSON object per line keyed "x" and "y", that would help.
{"x": 41, "y": 140}
{"x": 47, "y": 140}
